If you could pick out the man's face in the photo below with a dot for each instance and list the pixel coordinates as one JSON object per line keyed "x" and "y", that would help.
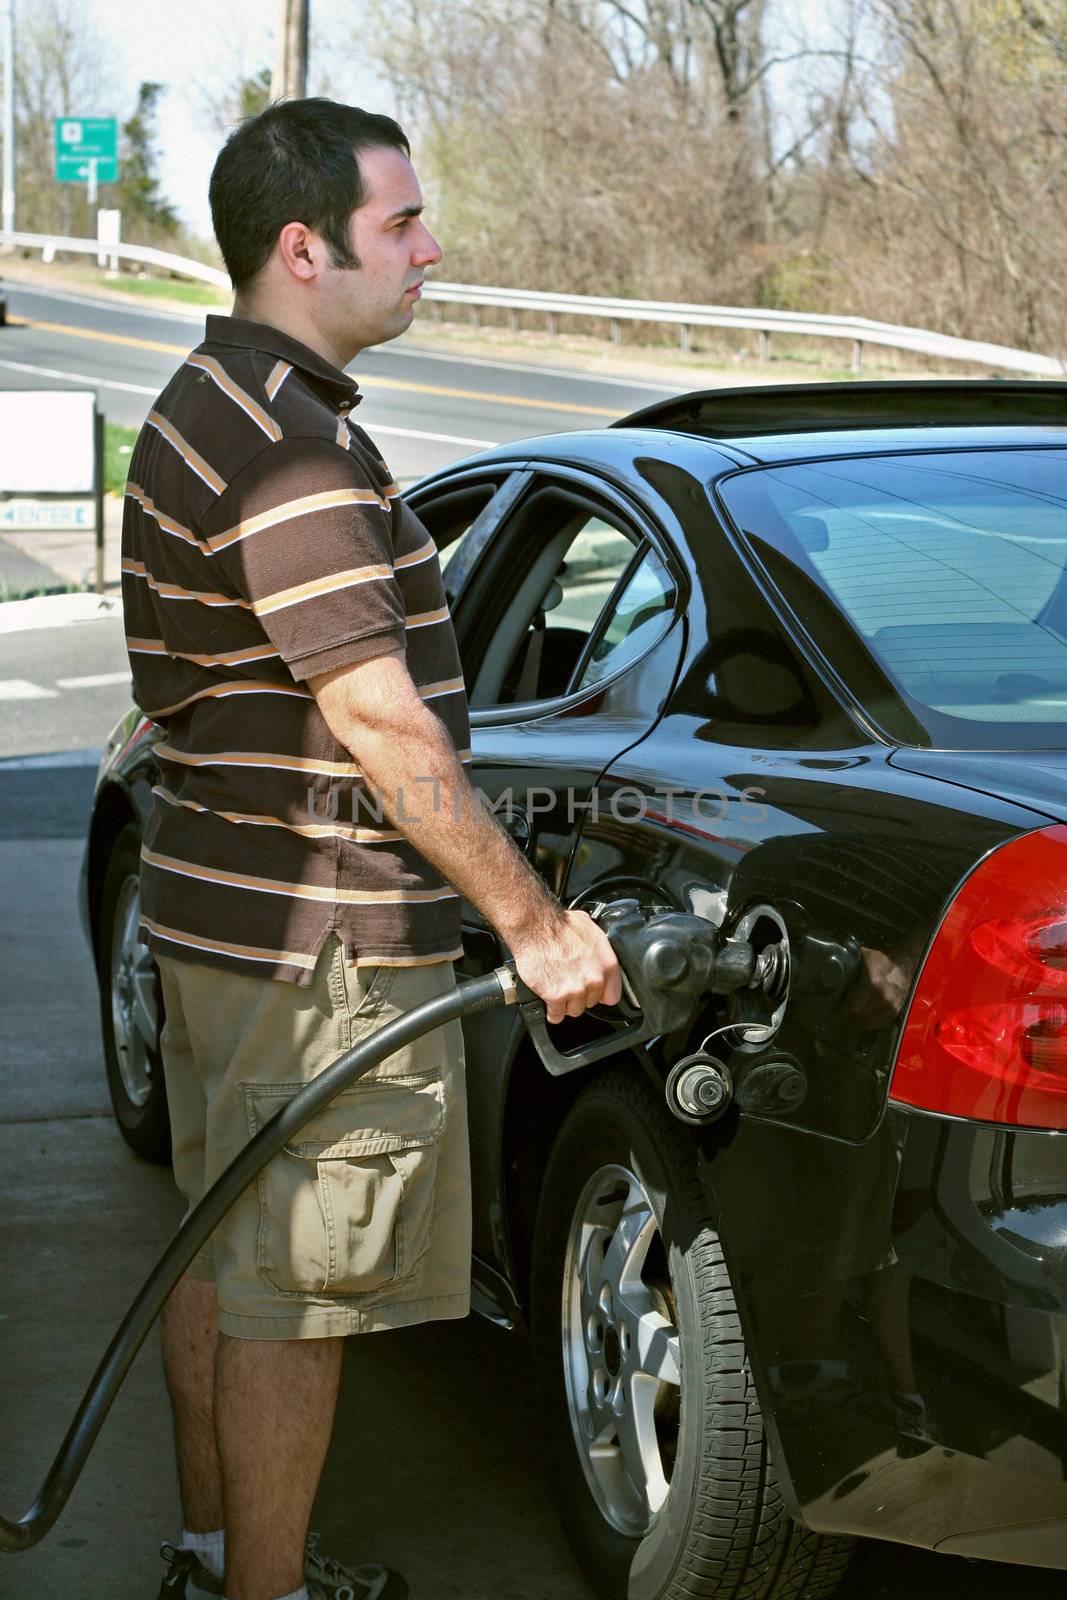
{"x": 375, "y": 301}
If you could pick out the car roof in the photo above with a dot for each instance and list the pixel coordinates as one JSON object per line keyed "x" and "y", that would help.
{"x": 714, "y": 431}
{"x": 793, "y": 421}
{"x": 780, "y": 448}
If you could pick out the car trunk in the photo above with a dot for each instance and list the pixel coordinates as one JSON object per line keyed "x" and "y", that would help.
{"x": 1034, "y": 778}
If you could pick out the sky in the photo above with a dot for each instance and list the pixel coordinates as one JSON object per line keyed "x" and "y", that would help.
{"x": 194, "y": 46}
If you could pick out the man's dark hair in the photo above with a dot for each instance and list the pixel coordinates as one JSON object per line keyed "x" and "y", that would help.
{"x": 297, "y": 161}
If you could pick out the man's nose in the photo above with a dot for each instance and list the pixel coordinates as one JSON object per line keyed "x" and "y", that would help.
{"x": 430, "y": 252}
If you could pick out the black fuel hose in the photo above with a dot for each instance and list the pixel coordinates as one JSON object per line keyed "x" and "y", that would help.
{"x": 481, "y": 994}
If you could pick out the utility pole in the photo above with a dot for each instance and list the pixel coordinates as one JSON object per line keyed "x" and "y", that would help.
{"x": 289, "y": 80}
{"x": 7, "y": 184}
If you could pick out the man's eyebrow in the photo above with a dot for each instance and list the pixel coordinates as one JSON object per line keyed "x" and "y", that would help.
{"x": 405, "y": 211}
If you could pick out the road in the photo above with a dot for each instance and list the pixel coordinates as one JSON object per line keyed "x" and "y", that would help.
{"x": 424, "y": 408}
{"x": 433, "y": 1465}
{"x": 62, "y": 688}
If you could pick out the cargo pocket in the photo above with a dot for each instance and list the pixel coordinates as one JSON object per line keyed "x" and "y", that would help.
{"x": 345, "y": 1208}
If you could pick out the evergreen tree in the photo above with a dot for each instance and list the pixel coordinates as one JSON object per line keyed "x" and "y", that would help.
{"x": 253, "y": 96}
{"x": 137, "y": 194}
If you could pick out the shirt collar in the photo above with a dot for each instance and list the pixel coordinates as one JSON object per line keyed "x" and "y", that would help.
{"x": 343, "y": 390}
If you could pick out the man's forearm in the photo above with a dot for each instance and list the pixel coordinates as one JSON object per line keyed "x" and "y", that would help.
{"x": 427, "y": 796}
{"x": 374, "y": 710}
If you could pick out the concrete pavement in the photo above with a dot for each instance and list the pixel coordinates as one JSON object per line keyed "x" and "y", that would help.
{"x": 431, "y": 1466}
{"x": 63, "y": 686}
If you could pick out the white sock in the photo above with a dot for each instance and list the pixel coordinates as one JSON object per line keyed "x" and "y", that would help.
{"x": 210, "y": 1547}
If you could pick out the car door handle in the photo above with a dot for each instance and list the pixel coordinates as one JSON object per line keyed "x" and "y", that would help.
{"x": 516, "y": 823}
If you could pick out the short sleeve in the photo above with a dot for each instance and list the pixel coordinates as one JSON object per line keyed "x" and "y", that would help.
{"x": 304, "y": 537}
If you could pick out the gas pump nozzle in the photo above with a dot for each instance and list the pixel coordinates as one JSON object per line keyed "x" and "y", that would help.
{"x": 671, "y": 961}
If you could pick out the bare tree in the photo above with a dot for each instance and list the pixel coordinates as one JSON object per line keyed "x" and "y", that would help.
{"x": 592, "y": 146}
{"x": 62, "y": 69}
{"x": 967, "y": 183}
{"x": 905, "y": 162}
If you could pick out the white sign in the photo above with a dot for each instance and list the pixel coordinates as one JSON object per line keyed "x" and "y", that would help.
{"x": 108, "y": 231}
{"x": 45, "y": 516}
{"x": 46, "y": 441}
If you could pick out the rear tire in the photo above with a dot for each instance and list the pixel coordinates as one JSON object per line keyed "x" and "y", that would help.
{"x": 632, "y": 1302}
{"x": 131, "y": 1008}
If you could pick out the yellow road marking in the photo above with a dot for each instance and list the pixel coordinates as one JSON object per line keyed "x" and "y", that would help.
{"x": 497, "y": 399}
{"x": 106, "y": 338}
{"x": 479, "y": 394}
{"x": 365, "y": 383}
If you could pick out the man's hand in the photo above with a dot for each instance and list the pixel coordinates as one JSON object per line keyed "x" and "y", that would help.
{"x": 569, "y": 965}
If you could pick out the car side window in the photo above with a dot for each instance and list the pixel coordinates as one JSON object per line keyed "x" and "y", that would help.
{"x": 637, "y": 619}
{"x": 454, "y": 544}
{"x": 457, "y": 516}
{"x": 545, "y": 629}
{"x": 465, "y": 524}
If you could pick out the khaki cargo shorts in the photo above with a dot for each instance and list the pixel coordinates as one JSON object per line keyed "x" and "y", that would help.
{"x": 363, "y": 1221}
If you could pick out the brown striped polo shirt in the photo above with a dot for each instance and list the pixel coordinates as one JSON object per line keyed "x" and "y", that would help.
{"x": 264, "y": 541}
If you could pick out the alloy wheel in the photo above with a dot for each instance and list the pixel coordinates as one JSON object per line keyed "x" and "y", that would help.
{"x": 133, "y": 997}
{"x": 621, "y": 1350}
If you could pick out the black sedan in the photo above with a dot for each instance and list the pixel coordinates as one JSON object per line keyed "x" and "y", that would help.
{"x": 794, "y": 660}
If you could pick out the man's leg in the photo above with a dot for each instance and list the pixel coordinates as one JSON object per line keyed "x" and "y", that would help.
{"x": 190, "y": 1316}
{"x": 274, "y": 1407}
{"x": 272, "y": 1419}
{"x": 247, "y": 1042}
{"x": 190, "y": 1336}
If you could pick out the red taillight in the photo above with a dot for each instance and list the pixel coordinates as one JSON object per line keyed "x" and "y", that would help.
{"x": 986, "y": 1033}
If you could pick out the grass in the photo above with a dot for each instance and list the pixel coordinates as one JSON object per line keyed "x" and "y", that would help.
{"x": 118, "y": 447}
{"x": 199, "y": 294}
{"x": 86, "y": 275}
{"x": 10, "y": 591}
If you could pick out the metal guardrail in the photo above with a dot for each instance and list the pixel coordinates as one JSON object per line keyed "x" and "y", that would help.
{"x": 51, "y": 245}
{"x": 858, "y": 331}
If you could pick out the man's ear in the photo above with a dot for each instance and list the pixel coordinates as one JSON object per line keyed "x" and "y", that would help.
{"x": 301, "y": 250}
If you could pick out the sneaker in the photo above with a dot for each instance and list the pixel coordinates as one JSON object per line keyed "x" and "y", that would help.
{"x": 186, "y": 1577}
{"x": 328, "y": 1579}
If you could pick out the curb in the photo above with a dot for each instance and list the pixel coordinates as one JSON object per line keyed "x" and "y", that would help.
{"x": 22, "y": 573}
{"x": 62, "y": 760}
{"x": 57, "y": 610}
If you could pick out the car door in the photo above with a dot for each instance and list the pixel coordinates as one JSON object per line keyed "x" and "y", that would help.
{"x": 568, "y": 602}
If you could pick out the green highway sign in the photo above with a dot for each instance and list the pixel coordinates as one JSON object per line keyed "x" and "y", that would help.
{"x": 80, "y": 140}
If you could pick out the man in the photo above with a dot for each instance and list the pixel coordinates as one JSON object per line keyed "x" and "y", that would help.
{"x": 287, "y": 628}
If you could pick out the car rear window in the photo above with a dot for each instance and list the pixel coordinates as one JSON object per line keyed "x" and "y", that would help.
{"x": 935, "y": 584}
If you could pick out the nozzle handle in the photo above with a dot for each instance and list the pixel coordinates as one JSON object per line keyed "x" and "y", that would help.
{"x": 559, "y": 1062}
